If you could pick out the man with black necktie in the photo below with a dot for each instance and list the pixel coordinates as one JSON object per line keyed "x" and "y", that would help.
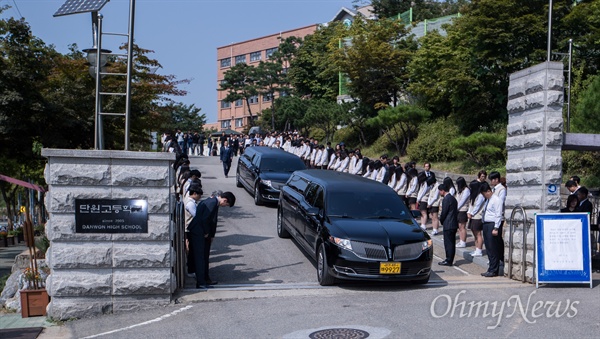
{"x": 585, "y": 206}
{"x": 202, "y": 230}
{"x": 492, "y": 228}
{"x": 448, "y": 219}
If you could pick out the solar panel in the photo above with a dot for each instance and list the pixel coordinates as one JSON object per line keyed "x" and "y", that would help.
{"x": 80, "y": 6}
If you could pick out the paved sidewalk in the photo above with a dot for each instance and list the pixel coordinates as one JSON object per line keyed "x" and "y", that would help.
{"x": 14, "y": 320}
{"x": 464, "y": 252}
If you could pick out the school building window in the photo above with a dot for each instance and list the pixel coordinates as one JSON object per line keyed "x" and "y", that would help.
{"x": 225, "y": 124}
{"x": 267, "y": 97}
{"x": 253, "y": 99}
{"x": 255, "y": 56}
{"x": 270, "y": 52}
{"x": 240, "y": 59}
{"x": 225, "y": 104}
{"x": 225, "y": 62}
{"x": 239, "y": 103}
{"x": 239, "y": 122}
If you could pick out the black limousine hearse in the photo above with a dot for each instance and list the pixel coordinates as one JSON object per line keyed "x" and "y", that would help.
{"x": 355, "y": 228}
{"x": 263, "y": 170}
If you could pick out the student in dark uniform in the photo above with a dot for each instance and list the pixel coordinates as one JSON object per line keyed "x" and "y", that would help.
{"x": 449, "y": 220}
{"x": 585, "y": 206}
{"x": 202, "y": 230}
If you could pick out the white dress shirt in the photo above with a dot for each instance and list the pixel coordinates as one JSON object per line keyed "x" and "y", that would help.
{"x": 493, "y": 211}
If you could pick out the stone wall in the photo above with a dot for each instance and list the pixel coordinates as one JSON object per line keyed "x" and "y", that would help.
{"x": 96, "y": 273}
{"x": 534, "y": 141}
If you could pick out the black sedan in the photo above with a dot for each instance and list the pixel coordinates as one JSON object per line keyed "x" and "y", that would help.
{"x": 263, "y": 170}
{"x": 355, "y": 228}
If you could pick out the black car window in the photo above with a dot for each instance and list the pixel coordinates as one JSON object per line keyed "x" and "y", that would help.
{"x": 282, "y": 165}
{"x": 298, "y": 183}
{"x": 311, "y": 193}
{"x": 365, "y": 204}
{"x": 319, "y": 198}
{"x": 256, "y": 160}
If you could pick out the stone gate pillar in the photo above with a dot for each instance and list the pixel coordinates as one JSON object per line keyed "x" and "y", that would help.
{"x": 96, "y": 273}
{"x": 534, "y": 141}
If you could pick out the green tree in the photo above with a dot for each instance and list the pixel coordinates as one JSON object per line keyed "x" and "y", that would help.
{"x": 25, "y": 63}
{"x": 587, "y": 116}
{"x": 150, "y": 93}
{"x": 240, "y": 82}
{"x": 291, "y": 112}
{"x": 493, "y": 39}
{"x": 311, "y": 74}
{"x": 433, "y": 141}
{"x": 582, "y": 24}
{"x": 184, "y": 117}
{"x": 374, "y": 56}
{"x": 422, "y": 9}
{"x": 269, "y": 81}
{"x": 482, "y": 148}
{"x": 400, "y": 124}
{"x": 324, "y": 114}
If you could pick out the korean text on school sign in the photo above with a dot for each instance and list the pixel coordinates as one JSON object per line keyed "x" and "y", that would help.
{"x": 111, "y": 216}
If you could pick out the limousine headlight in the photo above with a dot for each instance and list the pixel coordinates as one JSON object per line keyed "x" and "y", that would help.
{"x": 343, "y": 243}
{"x": 425, "y": 245}
{"x": 266, "y": 182}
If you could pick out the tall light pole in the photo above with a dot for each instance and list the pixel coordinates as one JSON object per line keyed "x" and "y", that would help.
{"x": 549, "y": 30}
{"x": 97, "y": 59}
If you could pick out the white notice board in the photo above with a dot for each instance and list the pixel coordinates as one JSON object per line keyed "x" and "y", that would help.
{"x": 563, "y": 249}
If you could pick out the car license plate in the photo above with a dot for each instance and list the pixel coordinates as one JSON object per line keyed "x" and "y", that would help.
{"x": 389, "y": 268}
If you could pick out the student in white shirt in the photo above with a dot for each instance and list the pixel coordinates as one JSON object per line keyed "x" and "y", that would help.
{"x": 492, "y": 228}
{"x": 333, "y": 160}
{"x": 358, "y": 165}
{"x": 401, "y": 183}
{"x": 463, "y": 195}
{"x": 433, "y": 204}
{"x": 412, "y": 190}
{"x": 369, "y": 168}
{"x": 422, "y": 197}
{"x": 342, "y": 165}
{"x": 474, "y": 214}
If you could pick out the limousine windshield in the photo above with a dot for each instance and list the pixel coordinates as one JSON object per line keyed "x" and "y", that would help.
{"x": 365, "y": 205}
{"x": 281, "y": 165}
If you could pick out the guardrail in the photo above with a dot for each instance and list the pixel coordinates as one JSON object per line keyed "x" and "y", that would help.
{"x": 512, "y": 227}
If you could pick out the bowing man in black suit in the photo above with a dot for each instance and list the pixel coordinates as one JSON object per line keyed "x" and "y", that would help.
{"x": 449, "y": 219}
{"x": 202, "y": 230}
{"x": 585, "y": 205}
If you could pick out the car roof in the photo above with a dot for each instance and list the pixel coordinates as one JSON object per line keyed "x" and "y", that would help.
{"x": 343, "y": 181}
{"x": 271, "y": 152}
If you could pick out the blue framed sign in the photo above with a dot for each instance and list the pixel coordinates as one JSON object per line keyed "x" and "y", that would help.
{"x": 563, "y": 249}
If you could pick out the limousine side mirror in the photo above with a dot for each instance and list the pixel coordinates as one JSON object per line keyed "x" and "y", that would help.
{"x": 315, "y": 212}
{"x": 415, "y": 213}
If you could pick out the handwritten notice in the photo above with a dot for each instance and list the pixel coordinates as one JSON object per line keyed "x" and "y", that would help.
{"x": 563, "y": 245}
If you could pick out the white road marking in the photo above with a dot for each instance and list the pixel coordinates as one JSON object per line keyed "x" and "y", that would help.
{"x": 455, "y": 267}
{"x": 144, "y": 323}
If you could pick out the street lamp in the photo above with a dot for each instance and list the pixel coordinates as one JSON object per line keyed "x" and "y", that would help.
{"x": 97, "y": 58}
{"x": 92, "y": 56}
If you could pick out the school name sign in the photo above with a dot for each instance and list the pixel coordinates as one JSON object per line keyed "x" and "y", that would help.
{"x": 111, "y": 216}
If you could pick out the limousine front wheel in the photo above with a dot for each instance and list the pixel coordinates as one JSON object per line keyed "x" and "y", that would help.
{"x": 325, "y": 279}
{"x": 281, "y": 231}
{"x": 257, "y": 198}
{"x": 238, "y": 182}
